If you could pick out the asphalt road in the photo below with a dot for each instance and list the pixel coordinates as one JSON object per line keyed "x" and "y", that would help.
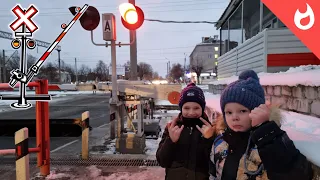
{"x": 69, "y": 106}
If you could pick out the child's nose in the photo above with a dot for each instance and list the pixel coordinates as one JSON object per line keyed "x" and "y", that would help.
{"x": 235, "y": 117}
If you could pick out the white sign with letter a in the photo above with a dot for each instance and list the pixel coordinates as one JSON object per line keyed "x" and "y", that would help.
{"x": 109, "y": 27}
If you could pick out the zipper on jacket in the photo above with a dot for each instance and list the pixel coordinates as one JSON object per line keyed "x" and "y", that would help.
{"x": 190, "y": 132}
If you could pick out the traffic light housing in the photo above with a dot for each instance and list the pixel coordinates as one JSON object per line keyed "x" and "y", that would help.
{"x": 90, "y": 19}
{"x": 132, "y": 17}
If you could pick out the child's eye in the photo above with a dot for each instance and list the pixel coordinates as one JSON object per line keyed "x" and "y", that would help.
{"x": 228, "y": 112}
{"x": 243, "y": 111}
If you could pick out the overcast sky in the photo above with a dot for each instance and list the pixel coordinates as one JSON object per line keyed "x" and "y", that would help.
{"x": 157, "y": 42}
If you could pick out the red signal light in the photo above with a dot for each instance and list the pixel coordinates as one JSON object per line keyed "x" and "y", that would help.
{"x": 90, "y": 19}
{"x": 132, "y": 17}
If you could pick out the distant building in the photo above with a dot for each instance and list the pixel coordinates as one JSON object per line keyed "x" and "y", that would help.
{"x": 206, "y": 54}
{"x": 65, "y": 77}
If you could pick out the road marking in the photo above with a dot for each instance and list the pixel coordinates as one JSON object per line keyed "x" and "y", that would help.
{"x": 63, "y": 146}
{"x": 103, "y": 125}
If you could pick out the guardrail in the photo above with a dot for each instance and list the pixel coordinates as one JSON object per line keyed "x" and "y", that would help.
{"x": 42, "y": 131}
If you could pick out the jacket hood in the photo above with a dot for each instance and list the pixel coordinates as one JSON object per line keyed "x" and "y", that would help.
{"x": 275, "y": 115}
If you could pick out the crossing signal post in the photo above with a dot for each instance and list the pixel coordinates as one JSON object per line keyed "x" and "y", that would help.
{"x": 132, "y": 18}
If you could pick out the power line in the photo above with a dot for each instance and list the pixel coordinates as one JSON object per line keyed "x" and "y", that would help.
{"x": 69, "y": 14}
{"x": 189, "y": 22}
{"x": 156, "y": 5}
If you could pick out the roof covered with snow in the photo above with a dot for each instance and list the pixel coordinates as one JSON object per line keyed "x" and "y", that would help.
{"x": 302, "y": 75}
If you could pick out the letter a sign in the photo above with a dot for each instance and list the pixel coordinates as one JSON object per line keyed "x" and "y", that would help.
{"x": 302, "y": 17}
{"x": 109, "y": 27}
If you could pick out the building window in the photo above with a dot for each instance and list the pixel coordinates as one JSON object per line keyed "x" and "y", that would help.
{"x": 224, "y": 37}
{"x": 216, "y": 48}
{"x": 216, "y": 56}
{"x": 209, "y": 56}
{"x": 268, "y": 18}
{"x": 251, "y": 18}
{"x": 235, "y": 28}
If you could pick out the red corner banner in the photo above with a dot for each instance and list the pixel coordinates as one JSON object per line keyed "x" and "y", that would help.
{"x": 302, "y": 17}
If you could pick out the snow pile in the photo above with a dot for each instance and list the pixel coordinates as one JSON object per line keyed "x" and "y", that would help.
{"x": 54, "y": 175}
{"x": 152, "y": 146}
{"x": 149, "y": 173}
{"x": 163, "y": 102}
{"x": 302, "y": 75}
{"x": 111, "y": 147}
{"x": 93, "y": 172}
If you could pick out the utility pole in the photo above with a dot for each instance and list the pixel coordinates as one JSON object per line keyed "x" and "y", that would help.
{"x": 59, "y": 61}
{"x": 185, "y": 61}
{"x": 75, "y": 62}
{"x": 133, "y": 52}
{"x": 4, "y": 69}
{"x": 168, "y": 68}
{"x": 1, "y": 66}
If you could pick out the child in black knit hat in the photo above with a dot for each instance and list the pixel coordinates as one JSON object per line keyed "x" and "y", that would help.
{"x": 184, "y": 149}
{"x": 252, "y": 145}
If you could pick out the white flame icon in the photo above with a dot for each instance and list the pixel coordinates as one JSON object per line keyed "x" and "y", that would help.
{"x": 298, "y": 16}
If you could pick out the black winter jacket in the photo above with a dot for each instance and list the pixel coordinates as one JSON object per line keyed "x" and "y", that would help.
{"x": 188, "y": 158}
{"x": 280, "y": 158}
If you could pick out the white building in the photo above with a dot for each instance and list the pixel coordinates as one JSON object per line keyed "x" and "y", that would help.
{"x": 205, "y": 55}
{"x": 65, "y": 77}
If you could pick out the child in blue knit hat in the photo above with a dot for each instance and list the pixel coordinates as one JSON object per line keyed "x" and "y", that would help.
{"x": 249, "y": 143}
{"x": 184, "y": 149}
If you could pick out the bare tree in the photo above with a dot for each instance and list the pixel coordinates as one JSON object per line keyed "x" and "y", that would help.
{"x": 50, "y": 72}
{"x": 69, "y": 69}
{"x": 101, "y": 71}
{"x": 197, "y": 65}
{"x": 145, "y": 71}
{"x": 155, "y": 76}
{"x": 91, "y": 76}
{"x": 83, "y": 72}
{"x": 14, "y": 62}
{"x": 177, "y": 72}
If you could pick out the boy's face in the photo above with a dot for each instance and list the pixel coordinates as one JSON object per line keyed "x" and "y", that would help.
{"x": 191, "y": 110}
{"x": 237, "y": 117}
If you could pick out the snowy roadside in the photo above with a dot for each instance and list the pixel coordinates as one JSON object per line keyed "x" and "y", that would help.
{"x": 302, "y": 75}
{"x": 56, "y": 97}
{"x": 103, "y": 173}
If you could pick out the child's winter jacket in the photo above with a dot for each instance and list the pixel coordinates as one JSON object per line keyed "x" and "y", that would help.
{"x": 270, "y": 155}
{"x": 188, "y": 158}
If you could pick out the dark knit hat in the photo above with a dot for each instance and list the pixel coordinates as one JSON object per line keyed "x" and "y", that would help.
{"x": 246, "y": 91}
{"x": 192, "y": 93}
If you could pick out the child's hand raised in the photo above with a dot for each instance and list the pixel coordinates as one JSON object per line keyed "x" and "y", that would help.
{"x": 208, "y": 129}
{"x": 260, "y": 114}
{"x": 174, "y": 130}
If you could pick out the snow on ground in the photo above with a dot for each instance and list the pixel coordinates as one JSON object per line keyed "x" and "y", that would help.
{"x": 101, "y": 173}
{"x": 302, "y": 75}
{"x": 54, "y": 94}
{"x": 151, "y": 144}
